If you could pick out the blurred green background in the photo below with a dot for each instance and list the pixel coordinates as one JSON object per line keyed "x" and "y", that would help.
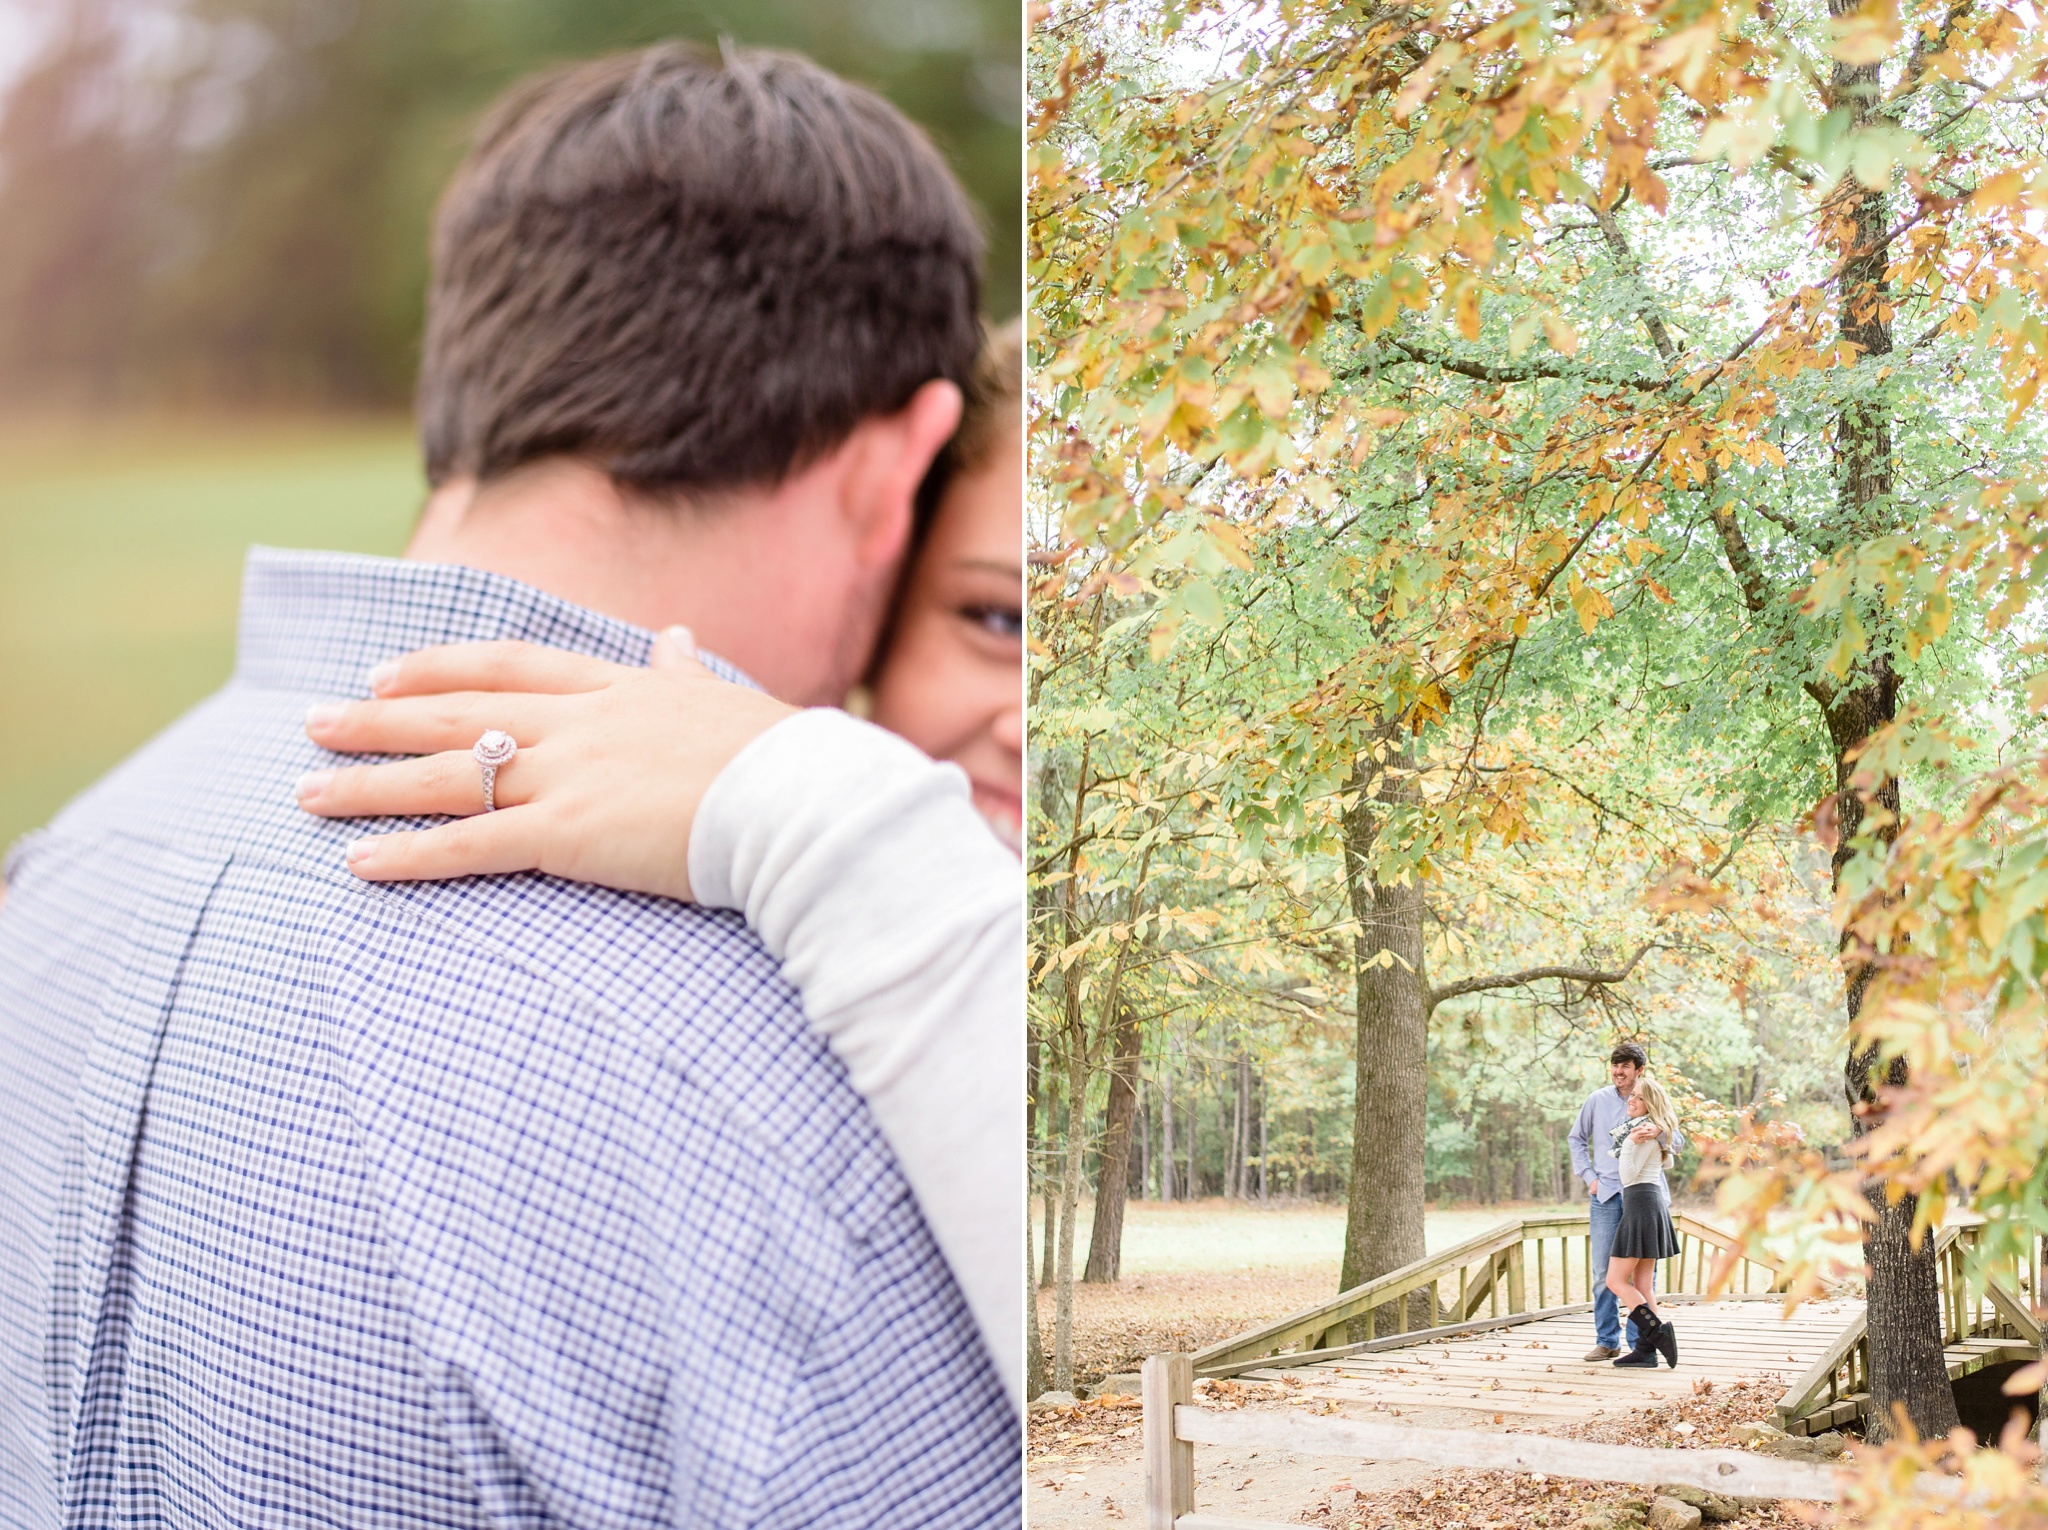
{"x": 213, "y": 224}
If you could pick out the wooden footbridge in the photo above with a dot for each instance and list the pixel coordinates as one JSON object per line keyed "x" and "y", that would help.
{"x": 1498, "y": 1325}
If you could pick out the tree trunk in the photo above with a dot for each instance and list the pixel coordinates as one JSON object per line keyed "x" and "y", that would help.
{"x": 1144, "y": 1143}
{"x": 1034, "y": 1342}
{"x": 1240, "y": 1127}
{"x": 1262, "y": 1137}
{"x": 1904, "y": 1304}
{"x": 1244, "y": 1131}
{"x": 1052, "y": 1194}
{"x": 1383, "y": 1222}
{"x": 1113, "y": 1171}
{"x": 1907, "y": 1368}
{"x": 1166, "y": 1124}
{"x": 1313, "y": 1163}
{"x": 1225, "y": 1098}
{"x": 1070, "y": 1197}
{"x": 1194, "y": 1121}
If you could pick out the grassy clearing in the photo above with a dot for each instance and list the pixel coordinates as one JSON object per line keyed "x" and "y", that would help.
{"x": 121, "y": 547}
{"x": 1219, "y": 1236}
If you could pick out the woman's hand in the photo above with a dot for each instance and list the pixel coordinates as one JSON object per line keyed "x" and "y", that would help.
{"x": 1645, "y": 1132}
{"x": 612, "y": 763}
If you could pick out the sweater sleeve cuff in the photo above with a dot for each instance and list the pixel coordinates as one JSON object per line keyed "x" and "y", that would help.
{"x": 791, "y": 784}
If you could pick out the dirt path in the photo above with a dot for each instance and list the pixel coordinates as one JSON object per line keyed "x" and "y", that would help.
{"x": 1085, "y": 1468}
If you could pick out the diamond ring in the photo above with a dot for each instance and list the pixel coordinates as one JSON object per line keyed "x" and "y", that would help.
{"x": 491, "y": 751}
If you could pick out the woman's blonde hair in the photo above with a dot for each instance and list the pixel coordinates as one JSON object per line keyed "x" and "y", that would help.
{"x": 1661, "y": 1112}
{"x": 993, "y": 413}
{"x": 995, "y": 396}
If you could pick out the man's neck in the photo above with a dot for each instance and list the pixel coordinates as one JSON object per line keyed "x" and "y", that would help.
{"x": 565, "y": 528}
{"x": 565, "y": 531}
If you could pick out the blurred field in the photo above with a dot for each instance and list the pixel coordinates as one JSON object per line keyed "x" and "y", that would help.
{"x": 121, "y": 550}
{"x": 1220, "y": 1236}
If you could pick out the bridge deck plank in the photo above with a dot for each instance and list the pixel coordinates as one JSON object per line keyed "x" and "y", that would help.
{"x": 1535, "y": 1369}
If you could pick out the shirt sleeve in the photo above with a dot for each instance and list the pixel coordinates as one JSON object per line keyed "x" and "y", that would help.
{"x": 865, "y": 869}
{"x": 1582, "y": 1156}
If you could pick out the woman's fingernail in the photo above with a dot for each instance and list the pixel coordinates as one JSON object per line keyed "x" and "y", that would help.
{"x": 361, "y": 853}
{"x": 683, "y": 638}
{"x": 382, "y": 676}
{"x": 311, "y": 785}
{"x": 325, "y": 714}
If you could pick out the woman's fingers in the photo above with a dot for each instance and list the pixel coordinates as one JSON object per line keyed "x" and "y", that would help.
{"x": 421, "y": 724}
{"x": 675, "y": 652}
{"x": 450, "y": 783}
{"x": 490, "y": 667}
{"x": 487, "y": 845}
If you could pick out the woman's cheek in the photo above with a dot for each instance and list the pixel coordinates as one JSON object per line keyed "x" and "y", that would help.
{"x": 916, "y": 696}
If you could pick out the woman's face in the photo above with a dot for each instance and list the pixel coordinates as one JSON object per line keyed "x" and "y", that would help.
{"x": 952, "y": 681}
{"x": 1638, "y": 1106}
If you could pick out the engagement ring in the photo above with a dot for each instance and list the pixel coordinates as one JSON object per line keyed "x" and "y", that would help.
{"x": 491, "y": 751}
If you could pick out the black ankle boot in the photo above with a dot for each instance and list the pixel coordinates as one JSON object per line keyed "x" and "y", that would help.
{"x": 1644, "y": 1355}
{"x": 1667, "y": 1343}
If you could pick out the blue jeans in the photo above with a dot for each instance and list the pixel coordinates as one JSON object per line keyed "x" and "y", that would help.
{"x": 1606, "y": 1217}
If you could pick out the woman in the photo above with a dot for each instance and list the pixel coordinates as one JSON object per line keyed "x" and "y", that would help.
{"x": 866, "y": 868}
{"x": 1645, "y": 1234}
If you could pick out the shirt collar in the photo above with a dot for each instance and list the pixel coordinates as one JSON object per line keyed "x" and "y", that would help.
{"x": 316, "y": 622}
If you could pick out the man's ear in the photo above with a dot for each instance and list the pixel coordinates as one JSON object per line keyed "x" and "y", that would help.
{"x": 891, "y": 454}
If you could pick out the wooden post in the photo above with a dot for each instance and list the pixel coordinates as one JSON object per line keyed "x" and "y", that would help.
{"x": 1517, "y": 1283}
{"x": 1167, "y": 1382}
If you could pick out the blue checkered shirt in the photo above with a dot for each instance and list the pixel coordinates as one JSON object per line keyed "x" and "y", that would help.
{"x": 488, "y": 1202}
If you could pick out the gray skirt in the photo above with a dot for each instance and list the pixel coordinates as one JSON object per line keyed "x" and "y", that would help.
{"x": 1645, "y": 1231}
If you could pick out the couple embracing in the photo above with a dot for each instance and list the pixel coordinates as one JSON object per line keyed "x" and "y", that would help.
{"x": 1624, "y": 1138}
{"x": 603, "y": 1114}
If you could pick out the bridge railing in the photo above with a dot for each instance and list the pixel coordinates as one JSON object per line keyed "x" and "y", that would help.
{"x": 1986, "y": 1319}
{"x": 1516, "y": 1272}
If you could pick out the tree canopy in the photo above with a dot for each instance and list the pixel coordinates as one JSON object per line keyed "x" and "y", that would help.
{"x": 1572, "y": 473}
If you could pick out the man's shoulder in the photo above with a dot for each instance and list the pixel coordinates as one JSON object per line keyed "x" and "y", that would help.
{"x": 658, "y": 988}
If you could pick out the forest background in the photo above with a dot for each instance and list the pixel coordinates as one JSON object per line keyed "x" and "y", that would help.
{"x": 213, "y": 252}
{"x": 1537, "y": 519}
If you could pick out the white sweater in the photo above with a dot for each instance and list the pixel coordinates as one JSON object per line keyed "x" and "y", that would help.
{"x": 865, "y": 869}
{"x": 1641, "y": 1162}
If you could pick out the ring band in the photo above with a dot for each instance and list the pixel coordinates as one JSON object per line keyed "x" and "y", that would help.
{"x": 492, "y": 751}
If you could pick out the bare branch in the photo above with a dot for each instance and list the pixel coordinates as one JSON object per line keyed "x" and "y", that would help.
{"x": 1660, "y": 337}
{"x": 1592, "y": 977}
{"x": 1749, "y": 574}
{"x": 1527, "y": 371}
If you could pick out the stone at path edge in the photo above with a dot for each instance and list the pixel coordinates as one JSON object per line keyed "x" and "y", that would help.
{"x": 1671, "y": 1514}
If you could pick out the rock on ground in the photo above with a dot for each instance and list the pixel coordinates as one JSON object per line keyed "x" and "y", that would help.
{"x": 1713, "y": 1507}
{"x": 1671, "y": 1514}
{"x": 1617, "y": 1516}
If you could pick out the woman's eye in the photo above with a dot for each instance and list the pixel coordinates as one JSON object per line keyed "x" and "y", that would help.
{"x": 997, "y": 621}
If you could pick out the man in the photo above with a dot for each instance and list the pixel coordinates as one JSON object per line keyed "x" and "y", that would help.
{"x": 514, "y": 1201}
{"x": 1593, "y": 1160}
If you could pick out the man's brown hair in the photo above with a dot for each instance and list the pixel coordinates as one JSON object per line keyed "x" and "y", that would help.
{"x": 693, "y": 270}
